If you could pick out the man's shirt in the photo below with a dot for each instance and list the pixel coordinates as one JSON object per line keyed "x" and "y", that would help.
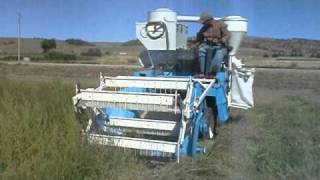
{"x": 215, "y": 31}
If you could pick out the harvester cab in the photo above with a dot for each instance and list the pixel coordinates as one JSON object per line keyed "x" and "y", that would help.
{"x": 163, "y": 110}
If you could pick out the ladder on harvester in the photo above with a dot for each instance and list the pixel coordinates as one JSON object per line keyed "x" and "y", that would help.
{"x": 150, "y": 114}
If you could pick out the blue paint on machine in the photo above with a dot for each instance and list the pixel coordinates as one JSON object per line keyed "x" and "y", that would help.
{"x": 198, "y": 122}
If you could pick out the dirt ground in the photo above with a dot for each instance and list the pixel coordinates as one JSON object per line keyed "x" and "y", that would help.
{"x": 271, "y": 86}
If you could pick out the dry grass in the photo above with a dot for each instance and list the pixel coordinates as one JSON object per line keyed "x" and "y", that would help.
{"x": 40, "y": 138}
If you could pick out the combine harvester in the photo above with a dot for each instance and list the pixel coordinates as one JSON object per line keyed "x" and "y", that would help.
{"x": 164, "y": 110}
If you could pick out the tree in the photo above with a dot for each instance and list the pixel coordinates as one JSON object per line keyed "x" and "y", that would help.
{"x": 78, "y": 42}
{"x": 48, "y": 44}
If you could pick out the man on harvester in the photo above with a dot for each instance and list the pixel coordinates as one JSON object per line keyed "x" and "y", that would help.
{"x": 213, "y": 47}
{"x": 213, "y": 40}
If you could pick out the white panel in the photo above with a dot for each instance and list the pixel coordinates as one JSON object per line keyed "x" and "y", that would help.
{"x": 134, "y": 143}
{"x": 188, "y": 18}
{"x": 122, "y": 97}
{"x": 150, "y": 44}
{"x": 152, "y": 83}
{"x": 236, "y": 23}
{"x": 143, "y": 123}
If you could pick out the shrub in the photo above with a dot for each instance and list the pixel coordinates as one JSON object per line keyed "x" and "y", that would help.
{"x": 132, "y": 61}
{"x": 48, "y": 44}
{"x": 59, "y": 56}
{"x": 37, "y": 57}
{"x": 78, "y": 42}
{"x": 135, "y": 42}
{"x": 274, "y": 55}
{"x": 92, "y": 52}
{"x": 293, "y": 65}
{"x": 10, "y": 42}
{"x": 10, "y": 58}
{"x": 265, "y": 55}
{"x": 317, "y": 55}
{"x": 296, "y": 53}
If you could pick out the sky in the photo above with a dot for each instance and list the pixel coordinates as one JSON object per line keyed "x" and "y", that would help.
{"x": 114, "y": 20}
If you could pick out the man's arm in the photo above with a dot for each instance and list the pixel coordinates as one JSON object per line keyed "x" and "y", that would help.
{"x": 199, "y": 37}
{"x": 225, "y": 33}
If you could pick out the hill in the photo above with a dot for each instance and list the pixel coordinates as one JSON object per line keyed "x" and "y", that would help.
{"x": 280, "y": 47}
{"x": 31, "y": 46}
{"x": 251, "y": 47}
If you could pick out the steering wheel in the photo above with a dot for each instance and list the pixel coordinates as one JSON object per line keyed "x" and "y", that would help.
{"x": 155, "y": 30}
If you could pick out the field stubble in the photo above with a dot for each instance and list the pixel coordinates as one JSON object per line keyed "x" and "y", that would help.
{"x": 40, "y": 138}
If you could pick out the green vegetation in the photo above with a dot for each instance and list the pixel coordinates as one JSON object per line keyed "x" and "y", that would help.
{"x": 78, "y": 42}
{"x": 315, "y": 55}
{"x": 48, "y": 44}
{"x": 135, "y": 42}
{"x": 54, "y": 56}
{"x": 296, "y": 53}
{"x": 9, "y": 42}
{"x": 59, "y": 56}
{"x": 92, "y": 52}
{"x": 287, "y": 58}
{"x": 40, "y": 138}
{"x": 9, "y": 58}
{"x": 288, "y": 139}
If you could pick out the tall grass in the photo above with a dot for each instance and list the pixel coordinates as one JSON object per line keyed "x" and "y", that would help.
{"x": 41, "y": 139}
{"x": 288, "y": 141}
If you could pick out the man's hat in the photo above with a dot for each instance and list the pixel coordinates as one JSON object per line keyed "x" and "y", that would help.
{"x": 204, "y": 17}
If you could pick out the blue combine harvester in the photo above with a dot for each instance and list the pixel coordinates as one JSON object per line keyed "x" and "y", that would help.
{"x": 163, "y": 110}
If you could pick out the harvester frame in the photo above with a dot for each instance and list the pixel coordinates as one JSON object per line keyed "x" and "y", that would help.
{"x": 163, "y": 113}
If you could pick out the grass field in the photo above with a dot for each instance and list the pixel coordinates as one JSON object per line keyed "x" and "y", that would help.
{"x": 40, "y": 138}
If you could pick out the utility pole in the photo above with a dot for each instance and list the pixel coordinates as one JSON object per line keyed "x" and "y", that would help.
{"x": 19, "y": 36}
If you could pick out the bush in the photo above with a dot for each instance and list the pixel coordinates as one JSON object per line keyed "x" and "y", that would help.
{"x": 274, "y": 55}
{"x": 10, "y": 58}
{"x": 59, "y": 56}
{"x": 132, "y": 61}
{"x": 108, "y": 53}
{"x": 296, "y": 53}
{"x": 92, "y": 52}
{"x": 135, "y": 42}
{"x": 265, "y": 55}
{"x": 48, "y": 44}
{"x": 293, "y": 65}
{"x": 315, "y": 55}
{"x": 10, "y": 42}
{"x": 78, "y": 42}
{"x": 37, "y": 57}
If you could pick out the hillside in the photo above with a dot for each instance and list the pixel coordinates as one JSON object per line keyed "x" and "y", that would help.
{"x": 280, "y": 47}
{"x": 29, "y": 46}
{"x": 251, "y": 47}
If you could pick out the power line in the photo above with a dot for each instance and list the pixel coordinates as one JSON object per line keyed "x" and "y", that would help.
{"x": 19, "y": 35}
